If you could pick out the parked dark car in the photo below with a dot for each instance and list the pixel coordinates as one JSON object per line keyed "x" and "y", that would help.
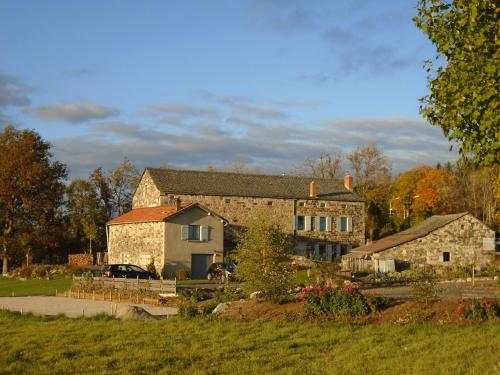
{"x": 128, "y": 271}
{"x": 218, "y": 271}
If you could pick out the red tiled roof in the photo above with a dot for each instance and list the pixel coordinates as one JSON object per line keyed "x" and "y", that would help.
{"x": 148, "y": 214}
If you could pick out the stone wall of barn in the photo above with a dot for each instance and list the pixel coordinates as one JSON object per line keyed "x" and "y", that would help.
{"x": 466, "y": 240}
{"x": 136, "y": 243}
{"x": 147, "y": 194}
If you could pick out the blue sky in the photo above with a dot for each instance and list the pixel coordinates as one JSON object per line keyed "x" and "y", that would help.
{"x": 198, "y": 83}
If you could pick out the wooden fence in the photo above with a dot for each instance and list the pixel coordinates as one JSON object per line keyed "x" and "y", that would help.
{"x": 159, "y": 286}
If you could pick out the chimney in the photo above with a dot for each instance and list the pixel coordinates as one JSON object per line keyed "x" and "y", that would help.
{"x": 177, "y": 204}
{"x": 348, "y": 182}
{"x": 313, "y": 191}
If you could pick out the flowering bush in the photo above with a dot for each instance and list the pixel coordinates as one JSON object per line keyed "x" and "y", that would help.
{"x": 482, "y": 309}
{"x": 344, "y": 299}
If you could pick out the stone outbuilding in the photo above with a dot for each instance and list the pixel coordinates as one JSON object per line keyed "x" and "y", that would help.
{"x": 440, "y": 241}
{"x": 176, "y": 237}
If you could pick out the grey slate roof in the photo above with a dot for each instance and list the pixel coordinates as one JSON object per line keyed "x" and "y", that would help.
{"x": 420, "y": 230}
{"x": 247, "y": 185}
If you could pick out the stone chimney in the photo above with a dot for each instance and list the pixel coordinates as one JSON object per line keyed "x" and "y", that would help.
{"x": 313, "y": 190}
{"x": 177, "y": 204}
{"x": 348, "y": 182}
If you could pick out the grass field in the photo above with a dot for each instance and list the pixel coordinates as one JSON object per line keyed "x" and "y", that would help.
{"x": 35, "y": 287}
{"x": 32, "y": 345}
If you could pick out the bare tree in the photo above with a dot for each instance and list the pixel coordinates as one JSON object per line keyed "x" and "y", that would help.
{"x": 240, "y": 167}
{"x": 372, "y": 180}
{"x": 327, "y": 165}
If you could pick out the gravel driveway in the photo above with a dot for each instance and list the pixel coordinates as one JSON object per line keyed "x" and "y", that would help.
{"x": 73, "y": 308}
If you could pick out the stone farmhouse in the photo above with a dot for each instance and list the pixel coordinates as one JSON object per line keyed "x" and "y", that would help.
{"x": 324, "y": 216}
{"x": 440, "y": 241}
{"x": 178, "y": 237}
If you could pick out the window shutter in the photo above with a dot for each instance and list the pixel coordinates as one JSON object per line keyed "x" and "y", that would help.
{"x": 308, "y": 223}
{"x": 316, "y": 223}
{"x": 316, "y": 251}
{"x": 184, "y": 232}
{"x": 329, "y": 251}
{"x": 338, "y": 251}
{"x": 328, "y": 224}
{"x": 349, "y": 224}
{"x": 204, "y": 232}
{"x": 295, "y": 223}
{"x": 338, "y": 224}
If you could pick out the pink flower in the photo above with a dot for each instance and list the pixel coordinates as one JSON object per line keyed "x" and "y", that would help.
{"x": 369, "y": 302}
{"x": 460, "y": 310}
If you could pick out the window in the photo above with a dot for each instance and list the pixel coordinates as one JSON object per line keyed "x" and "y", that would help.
{"x": 446, "y": 256}
{"x": 322, "y": 205}
{"x": 301, "y": 204}
{"x": 195, "y": 232}
{"x": 227, "y": 200}
{"x": 344, "y": 224}
{"x": 322, "y": 223}
{"x": 343, "y": 205}
{"x": 269, "y": 203}
{"x": 301, "y": 223}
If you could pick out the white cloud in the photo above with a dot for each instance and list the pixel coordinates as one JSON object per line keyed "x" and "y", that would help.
{"x": 80, "y": 112}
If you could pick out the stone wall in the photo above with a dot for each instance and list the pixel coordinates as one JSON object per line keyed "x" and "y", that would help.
{"x": 463, "y": 239}
{"x": 239, "y": 210}
{"x": 139, "y": 241}
{"x": 147, "y": 194}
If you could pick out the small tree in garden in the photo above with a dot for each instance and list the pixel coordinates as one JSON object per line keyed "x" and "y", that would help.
{"x": 263, "y": 252}
{"x": 426, "y": 287}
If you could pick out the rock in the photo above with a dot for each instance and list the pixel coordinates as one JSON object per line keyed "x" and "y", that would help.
{"x": 255, "y": 295}
{"x": 132, "y": 313}
{"x": 221, "y": 307}
{"x": 469, "y": 279}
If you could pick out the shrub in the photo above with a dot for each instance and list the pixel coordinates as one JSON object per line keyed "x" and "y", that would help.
{"x": 209, "y": 307}
{"x": 151, "y": 266}
{"x": 339, "y": 300}
{"x": 188, "y": 311}
{"x": 482, "y": 309}
{"x": 264, "y": 259}
{"x": 228, "y": 294}
{"x": 182, "y": 275}
{"x": 426, "y": 287}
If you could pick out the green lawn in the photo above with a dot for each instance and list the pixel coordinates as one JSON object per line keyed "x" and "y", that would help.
{"x": 35, "y": 287}
{"x": 59, "y": 345}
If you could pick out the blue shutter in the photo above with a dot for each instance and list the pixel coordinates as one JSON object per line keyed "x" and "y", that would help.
{"x": 184, "y": 232}
{"x": 329, "y": 252}
{"x": 204, "y": 232}
{"x": 316, "y": 251}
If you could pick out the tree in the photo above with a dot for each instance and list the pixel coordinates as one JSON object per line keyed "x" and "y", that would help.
{"x": 263, "y": 252}
{"x": 87, "y": 216}
{"x": 123, "y": 182}
{"x": 403, "y": 195}
{"x": 434, "y": 193}
{"x": 327, "y": 165}
{"x": 463, "y": 96}
{"x": 31, "y": 189}
{"x": 372, "y": 180}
